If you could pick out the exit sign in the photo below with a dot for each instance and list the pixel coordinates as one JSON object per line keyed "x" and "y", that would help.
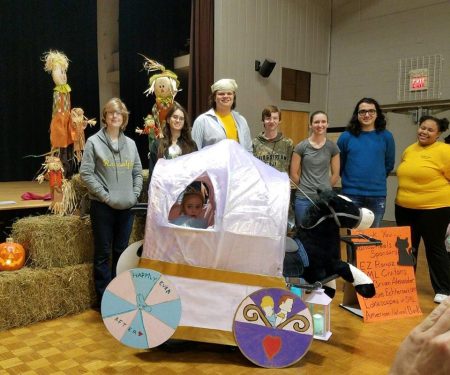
{"x": 418, "y": 79}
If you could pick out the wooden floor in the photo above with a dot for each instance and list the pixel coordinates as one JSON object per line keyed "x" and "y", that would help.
{"x": 81, "y": 345}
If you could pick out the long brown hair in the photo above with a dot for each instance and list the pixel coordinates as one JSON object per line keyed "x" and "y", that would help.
{"x": 354, "y": 126}
{"x": 185, "y": 141}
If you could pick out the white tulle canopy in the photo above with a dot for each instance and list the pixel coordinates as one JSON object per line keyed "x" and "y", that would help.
{"x": 214, "y": 269}
{"x": 247, "y": 210}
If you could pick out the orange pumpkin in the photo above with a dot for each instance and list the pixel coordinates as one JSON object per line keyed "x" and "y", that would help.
{"x": 12, "y": 255}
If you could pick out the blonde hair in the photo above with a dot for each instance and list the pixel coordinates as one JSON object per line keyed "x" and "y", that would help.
{"x": 153, "y": 65}
{"x": 55, "y": 58}
{"x": 267, "y": 301}
{"x": 116, "y": 105}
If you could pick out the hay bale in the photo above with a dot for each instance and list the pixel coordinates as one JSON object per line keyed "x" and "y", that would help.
{"x": 143, "y": 198}
{"x": 81, "y": 195}
{"x": 78, "y": 187}
{"x": 138, "y": 229}
{"x": 55, "y": 241}
{"x": 31, "y": 295}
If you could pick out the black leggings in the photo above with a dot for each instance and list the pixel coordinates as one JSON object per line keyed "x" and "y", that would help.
{"x": 431, "y": 226}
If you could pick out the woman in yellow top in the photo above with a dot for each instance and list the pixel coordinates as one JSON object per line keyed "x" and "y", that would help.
{"x": 423, "y": 199}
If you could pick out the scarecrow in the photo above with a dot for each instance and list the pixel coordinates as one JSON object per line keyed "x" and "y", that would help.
{"x": 164, "y": 86}
{"x": 57, "y": 63}
{"x": 63, "y": 200}
{"x": 79, "y": 123}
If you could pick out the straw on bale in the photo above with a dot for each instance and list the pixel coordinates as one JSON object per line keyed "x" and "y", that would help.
{"x": 81, "y": 195}
{"x": 55, "y": 241}
{"x": 30, "y": 295}
{"x": 138, "y": 230}
{"x": 78, "y": 186}
{"x": 143, "y": 198}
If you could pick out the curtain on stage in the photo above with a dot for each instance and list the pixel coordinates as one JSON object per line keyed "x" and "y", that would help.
{"x": 201, "y": 72}
{"x": 27, "y": 30}
{"x": 158, "y": 30}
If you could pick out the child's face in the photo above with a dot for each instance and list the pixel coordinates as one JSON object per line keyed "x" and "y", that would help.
{"x": 193, "y": 206}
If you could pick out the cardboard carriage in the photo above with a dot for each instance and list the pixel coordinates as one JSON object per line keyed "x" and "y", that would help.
{"x": 240, "y": 252}
{"x": 224, "y": 284}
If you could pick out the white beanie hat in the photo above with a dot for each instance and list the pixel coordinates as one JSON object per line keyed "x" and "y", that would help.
{"x": 224, "y": 84}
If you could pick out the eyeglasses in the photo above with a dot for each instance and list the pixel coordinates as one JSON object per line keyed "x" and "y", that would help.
{"x": 112, "y": 113}
{"x": 177, "y": 118}
{"x": 370, "y": 112}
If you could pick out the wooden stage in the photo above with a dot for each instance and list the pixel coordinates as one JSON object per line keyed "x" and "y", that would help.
{"x": 13, "y": 207}
{"x": 10, "y": 195}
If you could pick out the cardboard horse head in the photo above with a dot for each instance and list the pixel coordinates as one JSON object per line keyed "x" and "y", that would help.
{"x": 319, "y": 235}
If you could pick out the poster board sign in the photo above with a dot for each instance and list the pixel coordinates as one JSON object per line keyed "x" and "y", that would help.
{"x": 391, "y": 267}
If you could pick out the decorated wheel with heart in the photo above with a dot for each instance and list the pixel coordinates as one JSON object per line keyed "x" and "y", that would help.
{"x": 273, "y": 328}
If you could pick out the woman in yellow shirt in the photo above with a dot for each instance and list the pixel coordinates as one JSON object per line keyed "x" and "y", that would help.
{"x": 423, "y": 199}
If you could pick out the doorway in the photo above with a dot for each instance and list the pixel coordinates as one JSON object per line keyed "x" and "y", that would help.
{"x": 294, "y": 125}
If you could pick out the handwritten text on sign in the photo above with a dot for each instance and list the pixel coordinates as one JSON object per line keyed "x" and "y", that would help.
{"x": 390, "y": 266}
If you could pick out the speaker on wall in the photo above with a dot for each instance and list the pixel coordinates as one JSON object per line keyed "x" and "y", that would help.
{"x": 266, "y": 68}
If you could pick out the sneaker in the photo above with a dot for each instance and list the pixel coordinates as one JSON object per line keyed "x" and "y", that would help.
{"x": 438, "y": 298}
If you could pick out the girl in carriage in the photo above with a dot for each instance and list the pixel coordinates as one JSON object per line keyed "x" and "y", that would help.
{"x": 192, "y": 209}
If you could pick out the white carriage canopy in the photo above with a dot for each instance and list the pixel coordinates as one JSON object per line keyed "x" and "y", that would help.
{"x": 247, "y": 211}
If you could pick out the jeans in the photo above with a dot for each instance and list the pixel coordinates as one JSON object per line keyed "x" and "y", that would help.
{"x": 301, "y": 206}
{"x": 376, "y": 204}
{"x": 111, "y": 229}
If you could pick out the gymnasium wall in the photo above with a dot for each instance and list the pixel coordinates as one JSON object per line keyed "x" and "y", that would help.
{"x": 368, "y": 38}
{"x": 296, "y": 34}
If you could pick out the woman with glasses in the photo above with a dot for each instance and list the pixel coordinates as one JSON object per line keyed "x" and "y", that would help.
{"x": 177, "y": 138}
{"x": 112, "y": 172}
{"x": 367, "y": 157}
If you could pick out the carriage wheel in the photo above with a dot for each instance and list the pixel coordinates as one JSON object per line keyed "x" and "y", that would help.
{"x": 277, "y": 338}
{"x": 141, "y": 308}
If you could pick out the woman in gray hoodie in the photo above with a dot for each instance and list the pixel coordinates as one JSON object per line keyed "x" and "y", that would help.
{"x": 112, "y": 171}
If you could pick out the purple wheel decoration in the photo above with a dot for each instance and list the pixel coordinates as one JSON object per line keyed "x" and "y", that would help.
{"x": 141, "y": 308}
{"x": 273, "y": 328}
